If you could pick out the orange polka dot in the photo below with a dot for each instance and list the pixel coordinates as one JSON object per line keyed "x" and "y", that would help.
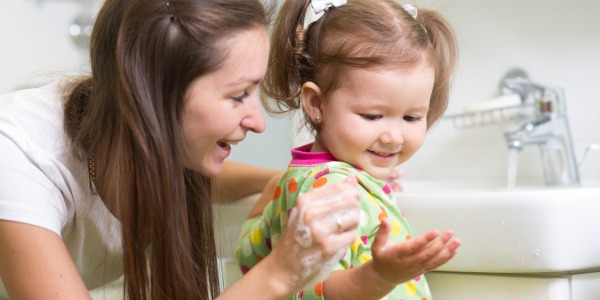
{"x": 277, "y": 192}
{"x": 408, "y": 237}
{"x": 382, "y": 215}
{"x": 320, "y": 182}
{"x": 293, "y": 185}
{"x": 319, "y": 289}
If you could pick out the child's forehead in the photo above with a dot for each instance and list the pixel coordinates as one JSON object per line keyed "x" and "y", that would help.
{"x": 347, "y": 76}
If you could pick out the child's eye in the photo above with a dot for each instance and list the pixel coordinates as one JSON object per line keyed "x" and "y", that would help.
{"x": 372, "y": 117}
{"x": 242, "y": 97}
{"x": 411, "y": 118}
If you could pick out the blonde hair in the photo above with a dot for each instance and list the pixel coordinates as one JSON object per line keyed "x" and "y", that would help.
{"x": 359, "y": 34}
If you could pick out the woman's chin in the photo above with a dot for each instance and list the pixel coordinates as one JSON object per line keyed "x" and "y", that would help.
{"x": 212, "y": 169}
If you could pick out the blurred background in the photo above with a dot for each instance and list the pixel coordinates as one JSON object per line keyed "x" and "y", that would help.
{"x": 556, "y": 42}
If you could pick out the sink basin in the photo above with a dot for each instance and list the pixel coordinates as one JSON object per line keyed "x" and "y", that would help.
{"x": 505, "y": 231}
{"x": 520, "y": 230}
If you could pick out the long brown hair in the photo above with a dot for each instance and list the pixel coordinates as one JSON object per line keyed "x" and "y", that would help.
{"x": 362, "y": 34}
{"x": 144, "y": 55}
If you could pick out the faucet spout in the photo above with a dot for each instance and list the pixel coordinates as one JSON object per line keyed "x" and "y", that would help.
{"x": 550, "y": 132}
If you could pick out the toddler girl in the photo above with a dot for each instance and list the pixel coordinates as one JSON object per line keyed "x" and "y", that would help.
{"x": 371, "y": 76}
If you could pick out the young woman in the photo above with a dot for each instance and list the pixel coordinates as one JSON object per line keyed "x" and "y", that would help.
{"x": 109, "y": 175}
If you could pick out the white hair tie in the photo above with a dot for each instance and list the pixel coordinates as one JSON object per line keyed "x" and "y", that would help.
{"x": 411, "y": 10}
{"x": 317, "y": 9}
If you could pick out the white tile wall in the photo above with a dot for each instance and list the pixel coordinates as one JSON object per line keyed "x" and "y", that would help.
{"x": 557, "y": 42}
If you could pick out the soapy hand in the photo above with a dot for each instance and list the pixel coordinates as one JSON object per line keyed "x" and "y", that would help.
{"x": 397, "y": 263}
{"x": 320, "y": 226}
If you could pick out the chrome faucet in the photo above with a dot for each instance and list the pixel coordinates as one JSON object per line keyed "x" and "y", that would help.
{"x": 546, "y": 126}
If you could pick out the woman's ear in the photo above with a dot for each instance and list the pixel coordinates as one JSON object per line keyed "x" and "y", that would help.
{"x": 311, "y": 101}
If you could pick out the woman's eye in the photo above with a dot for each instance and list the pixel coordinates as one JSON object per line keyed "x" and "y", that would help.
{"x": 372, "y": 117}
{"x": 242, "y": 97}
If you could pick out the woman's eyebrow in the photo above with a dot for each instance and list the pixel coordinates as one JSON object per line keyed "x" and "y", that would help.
{"x": 245, "y": 80}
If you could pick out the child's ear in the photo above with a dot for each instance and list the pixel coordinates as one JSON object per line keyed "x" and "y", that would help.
{"x": 311, "y": 100}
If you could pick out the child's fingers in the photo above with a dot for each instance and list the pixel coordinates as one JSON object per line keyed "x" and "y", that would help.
{"x": 392, "y": 180}
{"x": 440, "y": 251}
{"x": 352, "y": 181}
{"x": 417, "y": 244}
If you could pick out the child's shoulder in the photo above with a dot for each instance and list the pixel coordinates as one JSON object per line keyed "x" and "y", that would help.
{"x": 318, "y": 175}
{"x": 335, "y": 170}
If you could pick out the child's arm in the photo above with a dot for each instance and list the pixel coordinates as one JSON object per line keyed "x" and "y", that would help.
{"x": 391, "y": 265}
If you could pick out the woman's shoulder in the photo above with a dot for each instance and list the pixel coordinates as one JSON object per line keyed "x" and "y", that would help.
{"x": 35, "y": 113}
{"x": 37, "y": 162}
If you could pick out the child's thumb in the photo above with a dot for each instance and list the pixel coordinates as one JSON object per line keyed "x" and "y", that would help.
{"x": 382, "y": 236}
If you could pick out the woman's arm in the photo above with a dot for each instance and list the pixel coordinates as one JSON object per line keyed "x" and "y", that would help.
{"x": 266, "y": 281}
{"x": 35, "y": 264}
{"x": 239, "y": 180}
{"x": 311, "y": 235}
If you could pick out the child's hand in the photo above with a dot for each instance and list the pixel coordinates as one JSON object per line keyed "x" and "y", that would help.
{"x": 397, "y": 263}
{"x": 393, "y": 180}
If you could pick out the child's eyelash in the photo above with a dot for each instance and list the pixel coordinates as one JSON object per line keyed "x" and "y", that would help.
{"x": 372, "y": 117}
{"x": 412, "y": 118}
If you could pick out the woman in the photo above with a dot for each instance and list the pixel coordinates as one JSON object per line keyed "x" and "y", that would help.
{"x": 115, "y": 179}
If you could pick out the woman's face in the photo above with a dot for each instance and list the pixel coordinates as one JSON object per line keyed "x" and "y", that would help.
{"x": 221, "y": 107}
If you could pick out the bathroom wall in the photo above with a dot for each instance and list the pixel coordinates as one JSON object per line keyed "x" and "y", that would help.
{"x": 37, "y": 49}
{"x": 556, "y": 42}
{"x": 35, "y": 43}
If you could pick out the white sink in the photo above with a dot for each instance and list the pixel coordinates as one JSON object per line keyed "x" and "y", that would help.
{"x": 522, "y": 230}
{"x": 509, "y": 231}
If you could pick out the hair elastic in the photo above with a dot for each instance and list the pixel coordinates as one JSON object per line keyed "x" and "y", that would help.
{"x": 411, "y": 10}
{"x": 317, "y": 9}
{"x": 168, "y": 5}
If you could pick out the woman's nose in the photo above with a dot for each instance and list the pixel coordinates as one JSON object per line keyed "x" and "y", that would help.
{"x": 254, "y": 119}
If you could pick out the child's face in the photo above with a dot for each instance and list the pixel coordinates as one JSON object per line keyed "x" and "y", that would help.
{"x": 377, "y": 119}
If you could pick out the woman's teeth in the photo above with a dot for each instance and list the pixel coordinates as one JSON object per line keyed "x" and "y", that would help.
{"x": 226, "y": 144}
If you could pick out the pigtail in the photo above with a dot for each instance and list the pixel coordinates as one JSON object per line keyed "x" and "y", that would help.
{"x": 445, "y": 54}
{"x": 283, "y": 79}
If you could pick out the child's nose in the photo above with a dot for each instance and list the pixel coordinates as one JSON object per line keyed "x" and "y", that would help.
{"x": 392, "y": 136}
